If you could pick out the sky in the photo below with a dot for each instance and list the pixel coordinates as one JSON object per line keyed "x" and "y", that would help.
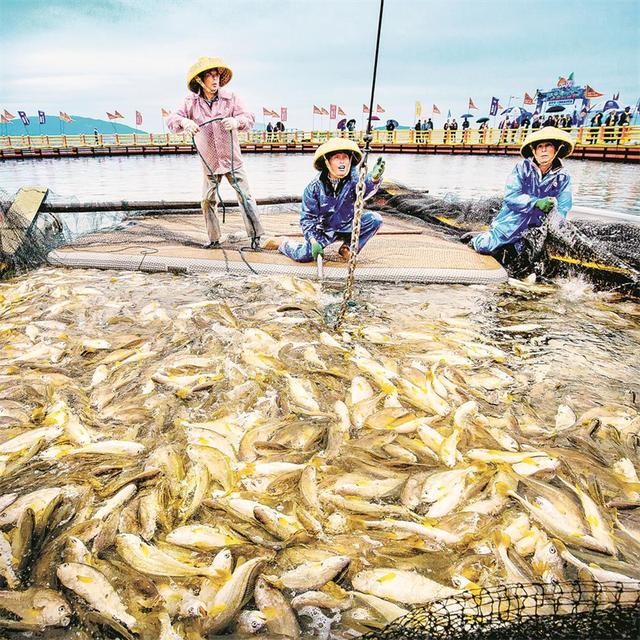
{"x": 87, "y": 57}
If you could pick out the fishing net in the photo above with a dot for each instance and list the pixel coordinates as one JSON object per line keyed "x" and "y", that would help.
{"x": 565, "y": 611}
{"x": 133, "y": 235}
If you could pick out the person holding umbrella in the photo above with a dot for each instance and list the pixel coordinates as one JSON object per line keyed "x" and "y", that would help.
{"x": 538, "y": 184}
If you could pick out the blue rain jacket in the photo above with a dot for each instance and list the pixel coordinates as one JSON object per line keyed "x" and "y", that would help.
{"x": 525, "y": 185}
{"x": 323, "y": 215}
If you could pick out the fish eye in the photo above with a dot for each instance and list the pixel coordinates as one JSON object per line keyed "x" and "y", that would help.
{"x": 552, "y": 549}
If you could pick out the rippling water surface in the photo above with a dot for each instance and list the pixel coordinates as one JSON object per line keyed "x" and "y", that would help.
{"x": 604, "y": 185}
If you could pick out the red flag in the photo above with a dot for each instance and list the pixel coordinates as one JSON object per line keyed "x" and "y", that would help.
{"x": 527, "y": 98}
{"x": 365, "y": 109}
{"x": 3, "y": 120}
{"x": 341, "y": 112}
{"x": 164, "y": 113}
{"x": 589, "y": 92}
{"x": 138, "y": 118}
{"x": 64, "y": 116}
{"x": 332, "y": 111}
{"x": 117, "y": 114}
{"x": 435, "y": 109}
{"x": 562, "y": 81}
{"x": 324, "y": 111}
{"x": 317, "y": 111}
{"x": 471, "y": 105}
{"x": 379, "y": 109}
{"x": 283, "y": 114}
{"x": 111, "y": 116}
{"x": 8, "y": 116}
{"x": 266, "y": 113}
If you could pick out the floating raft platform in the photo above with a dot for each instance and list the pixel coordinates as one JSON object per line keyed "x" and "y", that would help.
{"x": 404, "y": 250}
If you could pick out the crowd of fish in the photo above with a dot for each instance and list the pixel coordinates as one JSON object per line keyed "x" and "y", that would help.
{"x": 228, "y": 463}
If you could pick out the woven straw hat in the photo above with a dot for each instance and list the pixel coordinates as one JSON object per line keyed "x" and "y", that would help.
{"x": 204, "y": 64}
{"x": 563, "y": 140}
{"x": 332, "y": 146}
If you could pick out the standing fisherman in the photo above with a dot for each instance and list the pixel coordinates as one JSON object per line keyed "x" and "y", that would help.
{"x": 537, "y": 184}
{"x": 216, "y": 142}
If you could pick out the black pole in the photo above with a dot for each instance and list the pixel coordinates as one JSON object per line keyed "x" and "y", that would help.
{"x": 375, "y": 71}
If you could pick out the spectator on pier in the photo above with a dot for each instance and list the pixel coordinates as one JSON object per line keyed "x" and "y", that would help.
{"x": 453, "y": 128}
{"x": 391, "y": 127}
{"x": 610, "y": 123}
{"x": 596, "y": 123}
{"x": 279, "y": 128}
{"x": 213, "y": 116}
{"x": 504, "y": 127}
{"x": 418, "y": 130}
{"x": 535, "y": 121}
{"x": 483, "y": 128}
{"x": 328, "y": 204}
{"x": 537, "y": 184}
{"x": 549, "y": 121}
{"x": 427, "y": 127}
{"x": 465, "y": 127}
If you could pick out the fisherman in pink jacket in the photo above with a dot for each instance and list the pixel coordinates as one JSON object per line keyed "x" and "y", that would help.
{"x": 217, "y": 142}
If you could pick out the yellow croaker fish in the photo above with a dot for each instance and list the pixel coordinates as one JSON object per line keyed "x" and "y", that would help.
{"x": 379, "y": 373}
{"x": 276, "y": 609}
{"x": 121, "y": 497}
{"x": 424, "y": 397}
{"x": 600, "y": 529}
{"x": 399, "y": 585}
{"x": 38, "y": 501}
{"x": 204, "y": 537}
{"x": 232, "y": 596}
{"x": 311, "y": 575}
{"x": 33, "y": 609}
{"x": 388, "y": 610}
{"x": 149, "y": 559}
{"x": 278, "y": 524}
{"x": 7, "y": 570}
{"x": 302, "y": 395}
{"x": 110, "y": 448}
{"x": 91, "y": 585}
{"x": 355, "y": 484}
{"x": 29, "y": 439}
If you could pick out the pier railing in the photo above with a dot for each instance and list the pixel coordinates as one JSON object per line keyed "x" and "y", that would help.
{"x": 607, "y": 139}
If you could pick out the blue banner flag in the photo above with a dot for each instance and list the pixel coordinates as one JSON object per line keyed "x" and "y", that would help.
{"x": 494, "y": 106}
{"x": 23, "y": 117}
{"x": 449, "y": 113}
{"x": 42, "y": 117}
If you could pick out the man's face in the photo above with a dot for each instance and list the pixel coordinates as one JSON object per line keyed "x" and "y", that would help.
{"x": 339, "y": 164}
{"x": 211, "y": 80}
{"x": 544, "y": 153}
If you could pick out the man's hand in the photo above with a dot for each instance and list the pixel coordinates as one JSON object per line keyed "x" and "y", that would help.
{"x": 230, "y": 123}
{"x": 316, "y": 250}
{"x": 378, "y": 170}
{"x": 545, "y": 204}
{"x": 189, "y": 126}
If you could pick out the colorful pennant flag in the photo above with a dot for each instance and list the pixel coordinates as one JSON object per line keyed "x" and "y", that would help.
{"x": 317, "y": 111}
{"x": 64, "y": 116}
{"x": 365, "y": 109}
{"x": 324, "y": 111}
{"x": 266, "y": 113}
{"x": 42, "y": 118}
{"x": 493, "y": 109}
{"x": 471, "y": 105}
{"x": 3, "y": 120}
{"x": 527, "y": 98}
{"x": 165, "y": 113}
{"x": 379, "y": 109}
{"x": 111, "y": 116}
{"x": 283, "y": 114}
{"x": 418, "y": 109}
{"x": 9, "y": 116}
{"x": 435, "y": 109}
{"x": 117, "y": 114}
{"x": 341, "y": 112}
{"x": 138, "y": 118}
{"x": 23, "y": 116}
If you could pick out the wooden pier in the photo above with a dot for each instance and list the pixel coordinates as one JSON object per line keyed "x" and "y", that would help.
{"x": 613, "y": 144}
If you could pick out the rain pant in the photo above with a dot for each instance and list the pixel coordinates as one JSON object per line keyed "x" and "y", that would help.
{"x": 326, "y": 216}
{"x": 519, "y": 213}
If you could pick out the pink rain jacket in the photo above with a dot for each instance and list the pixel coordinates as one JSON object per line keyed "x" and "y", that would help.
{"x": 214, "y": 143}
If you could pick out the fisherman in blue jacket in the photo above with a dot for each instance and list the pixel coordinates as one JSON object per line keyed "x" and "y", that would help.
{"x": 328, "y": 203}
{"x": 537, "y": 185}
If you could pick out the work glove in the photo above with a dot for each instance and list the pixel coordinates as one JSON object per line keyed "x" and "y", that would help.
{"x": 230, "y": 123}
{"x": 545, "y": 204}
{"x": 378, "y": 170}
{"x": 316, "y": 250}
{"x": 189, "y": 126}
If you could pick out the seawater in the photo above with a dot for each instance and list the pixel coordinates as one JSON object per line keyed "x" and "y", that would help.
{"x": 602, "y": 185}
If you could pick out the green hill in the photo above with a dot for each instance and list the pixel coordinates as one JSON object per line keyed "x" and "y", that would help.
{"x": 55, "y": 127}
